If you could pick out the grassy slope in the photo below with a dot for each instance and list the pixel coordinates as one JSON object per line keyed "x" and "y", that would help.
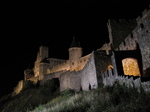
{"x": 104, "y": 99}
{"x": 30, "y": 97}
{"x": 109, "y": 99}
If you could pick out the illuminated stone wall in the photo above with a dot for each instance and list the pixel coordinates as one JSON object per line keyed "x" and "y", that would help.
{"x": 75, "y": 53}
{"x": 119, "y": 29}
{"x": 51, "y": 76}
{"x": 82, "y": 79}
{"x": 106, "y": 47}
{"x": 130, "y": 43}
{"x": 109, "y": 79}
{"x": 75, "y": 62}
{"x": 43, "y": 53}
{"x": 43, "y": 70}
{"x": 28, "y": 73}
{"x": 89, "y": 75}
{"x": 143, "y": 33}
{"x": 71, "y": 65}
{"x": 102, "y": 61}
{"x": 70, "y": 80}
{"x": 59, "y": 67}
{"x": 55, "y": 61}
{"x": 80, "y": 63}
{"x": 18, "y": 88}
{"x": 36, "y": 65}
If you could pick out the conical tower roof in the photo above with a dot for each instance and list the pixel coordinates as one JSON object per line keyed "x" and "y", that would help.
{"x": 74, "y": 43}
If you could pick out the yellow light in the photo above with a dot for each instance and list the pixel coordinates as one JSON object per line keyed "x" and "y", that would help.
{"x": 130, "y": 67}
{"x": 110, "y": 67}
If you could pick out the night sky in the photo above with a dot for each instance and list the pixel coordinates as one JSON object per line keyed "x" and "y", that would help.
{"x": 28, "y": 24}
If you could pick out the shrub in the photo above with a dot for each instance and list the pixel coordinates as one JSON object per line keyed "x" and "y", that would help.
{"x": 67, "y": 93}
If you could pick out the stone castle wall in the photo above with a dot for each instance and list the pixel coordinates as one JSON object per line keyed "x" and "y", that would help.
{"x": 107, "y": 47}
{"x": 143, "y": 33}
{"x": 84, "y": 79}
{"x": 119, "y": 29}
{"x": 70, "y": 80}
{"x": 140, "y": 35}
{"x": 51, "y": 76}
{"x": 102, "y": 62}
{"x": 60, "y": 67}
{"x": 130, "y": 43}
{"x": 89, "y": 75}
{"x": 55, "y": 61}
{"x": 76, "y": 65}
{"x": 109, "y": 78}
{"x": 43, "y": 53}
{"x": 18, "y": 88}
{"x": 80, "y": 63}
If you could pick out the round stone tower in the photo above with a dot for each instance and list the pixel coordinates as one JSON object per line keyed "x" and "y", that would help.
{"x": 75, "y": 52}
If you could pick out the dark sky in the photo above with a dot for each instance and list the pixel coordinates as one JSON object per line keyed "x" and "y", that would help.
{"x": 27, "y": 24}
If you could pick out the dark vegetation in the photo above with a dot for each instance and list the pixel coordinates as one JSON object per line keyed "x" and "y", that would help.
{"x": 117, "y": 98}
{"x": 31, "y": 96}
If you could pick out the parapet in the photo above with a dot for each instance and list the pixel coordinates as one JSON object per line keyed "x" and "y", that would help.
{"x": 120, "y": 29}
{"x": 145, "y": 13}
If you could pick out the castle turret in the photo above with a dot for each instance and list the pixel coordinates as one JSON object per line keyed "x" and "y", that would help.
{"x": 42, "y": 54}
{"x": 44, "y": 65}
{"x": 75, "y": 52}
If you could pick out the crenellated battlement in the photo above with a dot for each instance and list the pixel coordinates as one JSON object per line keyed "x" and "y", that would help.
{"x": 84, "y": 59}
{"x": 130, "y": 43}
{"x": 119, "y": 29}
{"x": 145, "y": 14}
{"x": 60, "y": 67}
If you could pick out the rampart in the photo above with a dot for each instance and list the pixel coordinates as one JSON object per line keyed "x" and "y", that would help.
{"x": 60, "y": 67}
{"x": 18, "y": 88}
{"x": 102, "y": 62}
{"x": 84, "y": 79}
{"x": 143, "y": 34}
{"x": 51, "y": 76}
{"x": 81, "y": 62}
{"x": 106, "y": 47}
{"x": 109, "y": 78}
{"x": 130, "y": 43}
{"x": 55, "y": 61}
{"x": 119, "y": 29}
